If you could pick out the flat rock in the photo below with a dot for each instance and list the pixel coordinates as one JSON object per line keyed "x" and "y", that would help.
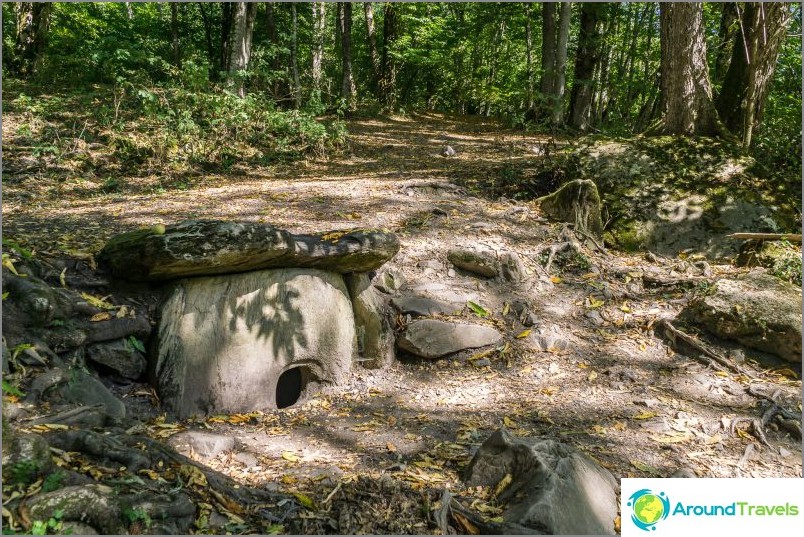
{"x": 207, "y": 445}
{"x": 431, "y": 338}
{"x": 210, "y": 247}
{"x": 757, "y": 310}
{"x": 556, "y": 489}
{"x": 479, "y": 261}
{"x": 84, "y": 389}
{"x": 120, "y": 356}
{"x": 417, "y": 305}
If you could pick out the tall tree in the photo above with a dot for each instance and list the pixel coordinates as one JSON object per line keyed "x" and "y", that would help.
{"x": 555, "y": 36}
{"x": 388, "y": 62}
{"x": 239, "y": 47}
{"x": 319, "y": 25}
{"x": 294, "y": 56}
{"x": 586, "y": 60}
{"x": 548, "y": 47}
{"x": 756, "y": 49}
{"x": 374, "y": 54}
{"x": 725, "y": 40}
{"x": 174, "y": 34}
{"x": 33, "y": 22}
{"x": 686, "y": 93}
{"x": 348, "y": 89}
{"x": 559, "y": 85}
{"x": 529, "y": 54}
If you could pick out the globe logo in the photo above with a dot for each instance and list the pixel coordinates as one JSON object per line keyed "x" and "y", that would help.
{"x": 648, "y": 508}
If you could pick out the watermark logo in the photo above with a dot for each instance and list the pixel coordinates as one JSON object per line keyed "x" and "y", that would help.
{"x": 648, "y": 508}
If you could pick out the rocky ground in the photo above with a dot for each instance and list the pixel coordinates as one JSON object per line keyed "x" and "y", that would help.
{"x": 586, "y": 356}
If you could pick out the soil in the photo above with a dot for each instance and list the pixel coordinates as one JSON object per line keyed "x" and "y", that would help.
{"x": 374, "y": 455}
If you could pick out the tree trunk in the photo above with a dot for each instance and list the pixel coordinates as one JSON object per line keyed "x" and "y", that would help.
{"x": 174, "y": 34}
{"x": 273, "y": 40}
{"x": 687, "y": 106}
{"x": 728, "y": 26}
{"x": 319, "y": 25}
{"x": 529, "y": 53}
{"x": 348, "y": 89}
{"x": 294, "y": 56}
{"x": 33, "y": 22}
{"x": 586, "y": 60}
{"x": 548, "y": 48}
{"x": 211, "y": 56}
{"x": 243, "y": 14}
{"x": 227, "y": 14}
{"x": 372, "y": 44}
{"x": 747, "y": 81}
{"x": 557, "y": 107}
{"x": 388, "y": 78}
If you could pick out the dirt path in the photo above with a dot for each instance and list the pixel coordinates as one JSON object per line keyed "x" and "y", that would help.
{"x": 606, "y": 383}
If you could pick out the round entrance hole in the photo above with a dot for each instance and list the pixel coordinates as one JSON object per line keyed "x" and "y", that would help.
{"x": 289, "y": 387}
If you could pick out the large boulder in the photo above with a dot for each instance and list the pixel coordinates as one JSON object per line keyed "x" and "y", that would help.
{"x": 210, "y": 247}
{"x": 375, "y": 336}
{"x": 432, "y": 338}
{"x": 224, "y": 341}
{"x": 120, "y": 356}
{"x": 757, "y": 310}
{"x": 554, "y": 489}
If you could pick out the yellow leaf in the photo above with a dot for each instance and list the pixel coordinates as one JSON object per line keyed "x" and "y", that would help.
{"x": 550, "y": 390}
{"x": 599, "y": 429}
{"x": 592, "y": 376}
{"x": 390, "y": 447}
{"x": 102, "y": 316}
{"x": 523, "y": 334}
{"x": 714, "y": 439}
{"x": 288, "y": 456}
{"x": 289, "y": 479}
{"x": 506, "y": 309}
{"x": 62, "y": 278}
{"x": 502, "y": 485}
{"x": 590, "y": 276}
{"x": 595, "y": 303}
{"x": 150, "y": 473}
{"x": 555, "y": 279}
{"x": 645, "y": 415}
{"x": 721, "y": 374}
{"x": 625, "y": 307}
{"x": 509, "y": 422}
{"x": 305, "y": 500}
{"x": 98, "y": 302}
{"x": 673, "y": 438}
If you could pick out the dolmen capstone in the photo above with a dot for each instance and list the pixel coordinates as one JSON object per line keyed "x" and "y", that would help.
{"x": 255, "y": 317}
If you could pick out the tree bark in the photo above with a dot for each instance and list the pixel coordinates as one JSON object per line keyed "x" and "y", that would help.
{"x": 728, "y": 26}
{"x": 529, "y": 54}
{"x": 557, "y": 108}
{"x": 548, "y": 47}
{"x": 389, "y": 67}
{"x": 348, "y": 89}
{"x": 372, "y": 44}
{"x": 33, "y": 23}
{"x": 273, "y": 40}
{"x": 686, "y": 101}
{"x": 174, "y": 34}
{"x": 243, "y": 14}
{"x": 319, "y": 24}
{"x": 586, "y": 61}
{"x": 747, "y": 81}
{"x": 294, "y": 56}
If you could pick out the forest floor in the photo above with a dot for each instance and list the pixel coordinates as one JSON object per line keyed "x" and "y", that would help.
{"x": 374, "y": 455}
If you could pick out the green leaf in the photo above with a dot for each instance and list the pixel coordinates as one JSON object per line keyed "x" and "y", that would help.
{"x": 10, "y": 389}
{"x": 136, "y": 343}
{"x": 479, "y": 310}
{"x": 305, "y": 500}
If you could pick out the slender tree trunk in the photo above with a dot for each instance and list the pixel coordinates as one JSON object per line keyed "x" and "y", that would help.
{"x": 747, "y": 81}
{"x": 227, "y": 19}
{"x": 548, "y": 48}
{"x": 273, "y": 40}
{"x": 348, "y": 89}
{"x": 728, "y": 26}
{"x": 559, "y": 87}
{"x": 240, "y": 44}
{"x": 294, "y": 56}
{"x": 529, "y": 53}
{"x": 687, "y": 106}
{"x": 174, "y": 34}
{"x": 372, "y": 44}
{"x": 33, "y": 23}
{"x": 319, "y": 25}
{"x": 211, "y": 56}
{"x": 389, "y": 67}
{"x": 586, "y": 61}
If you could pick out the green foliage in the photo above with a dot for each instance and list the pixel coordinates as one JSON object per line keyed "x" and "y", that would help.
{"x": 23, "y": 472}
{"x": 11, "y": 389}
{"x": 54, "y": 481}
{"x": 136, "y": 344}
{"x": 137, "y": 516}
{"x": 52, "y": 526}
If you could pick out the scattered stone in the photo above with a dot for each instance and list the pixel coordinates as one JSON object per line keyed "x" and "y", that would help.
{"x": 757, "y": 310}
{"x": 224, "y": 341}
{"x": 375, "y": 336}
{"x": 207, "y": 445}
{"x": 84, "y": 389}
{"x": 483, "y": 362}
{"x": 249, "y": 460}
{"x": 483, "y": 262}
{"x": 512, "y": 269}
{"x": 431, "y": 338}
{"x": 547, "y": 338}
{"x": 451, "y": 273}
{"x": 210, "y": 247}
{"x": 424, "y": 306}
{"x": 120, "y": 356}
{"x": 447, "y": 151}
{"x": 576, "y": 202}
{"x": 547, "y": 476}
{"x": 684, "y": 473}
{"x": 433, "y": 189}
{"x": 595, "y": 317}
{"x": 390, "y": 282}
{"x": 434, "y": 264}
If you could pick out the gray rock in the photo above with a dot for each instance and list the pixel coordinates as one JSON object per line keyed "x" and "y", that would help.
{"x": 447, "y": 151}
{"x": 120, "y": 356}
{"x": 431, "y": 338}
{"x": 207, "y": 445}
{"x": 375, "y": 336}
{"x": 223, "y": 341}
{"x": 390, "y": 281}
{"x": 247, "y": 459}
{"x": 548, "y": 476}
{"x": 25, "y": 457}
{"x": 424, "y": 306}
{"x": 757, "y": 310}
{"x": 479, "y": 261}
{"x": 576, "y": 202}
{"x": 84, "y": 389}
{"x": 512, "y": 269}
{"x": 209, "y": 247}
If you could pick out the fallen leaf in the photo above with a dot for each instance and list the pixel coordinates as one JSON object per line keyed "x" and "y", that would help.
{"x": 390, "y": 447}
{"x": 645, "y": 415}
{"x": 62, "y": 278}
{"x": 479, "y": 310}
{"x": 506, "y": 309}
{"x": 465, "y": 524}
{"x": 102, "y": 316}
{"x": 508, "y": 422}
{"x": 555, "y": 279}
{"x": 523, "y": 334}
{"x": 592, "y": 376}
{"x": 594, "y": 303}
{"x": 288, "y": 456}
{"x": 98, "y": 302}
{"x": 305, "y": 500}
{"x": 502, "y": 485}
